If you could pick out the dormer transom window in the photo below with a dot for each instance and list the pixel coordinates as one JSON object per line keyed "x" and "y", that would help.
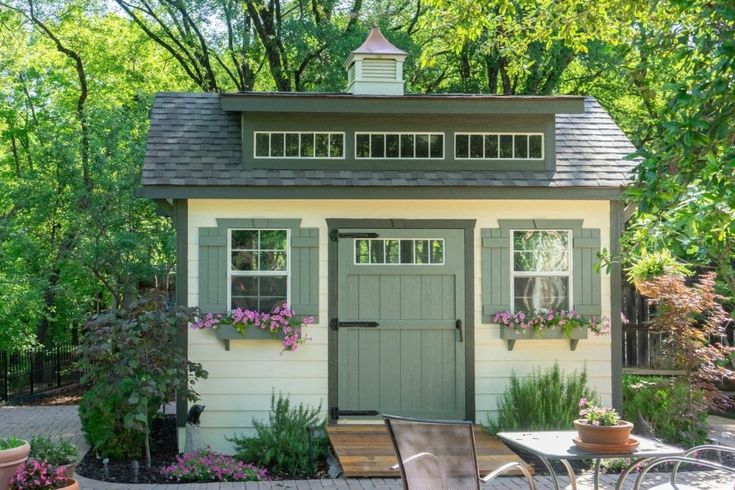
{"x": 291, "y": 144}
{"x": 499, "y": 146}
{"x": 399, "y": 146}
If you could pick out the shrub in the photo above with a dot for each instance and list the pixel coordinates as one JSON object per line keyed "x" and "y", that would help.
{"x": 207, "y": 466}
{"x": 665, "y": 404}
{"x": 10, "y": 442}
{"x": 55, "y": 453}
{"x": 101, "y": 412}
{"x": 38, "y": 475}
{"x": 290, "y": 444}
{"x": 543, "y": 401}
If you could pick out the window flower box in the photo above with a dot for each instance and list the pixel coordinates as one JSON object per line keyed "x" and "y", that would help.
{"x": 226, "y": 333}
{"x": 548, "y": 325}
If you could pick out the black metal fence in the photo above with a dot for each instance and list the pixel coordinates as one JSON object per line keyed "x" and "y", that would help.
{"x": 36, "y": 371}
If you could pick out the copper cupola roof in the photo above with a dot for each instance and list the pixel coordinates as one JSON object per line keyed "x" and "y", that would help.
{"x": 376, "y": 43}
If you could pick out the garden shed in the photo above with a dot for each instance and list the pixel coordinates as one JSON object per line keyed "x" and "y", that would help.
{"x": 403, "y": 223}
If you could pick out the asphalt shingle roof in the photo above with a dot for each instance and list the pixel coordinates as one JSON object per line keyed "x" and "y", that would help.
{"x": 193, "y": 142}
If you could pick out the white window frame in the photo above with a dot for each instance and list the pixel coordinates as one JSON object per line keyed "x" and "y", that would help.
{"x": 401, "y": 133}
{"x": 231, "y": 273}
{"x": 498, "y": 134}
{"x": 392, "y": 264}
{"x": 284, "y": 133}
{"x": 569, "y": 274}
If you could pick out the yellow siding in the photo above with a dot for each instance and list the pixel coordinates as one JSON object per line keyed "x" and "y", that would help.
{"x": 241, "y": 380}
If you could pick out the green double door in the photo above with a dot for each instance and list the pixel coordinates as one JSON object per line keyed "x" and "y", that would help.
{"x": 400, "y": 331}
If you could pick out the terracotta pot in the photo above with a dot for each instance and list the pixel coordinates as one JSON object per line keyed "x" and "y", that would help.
{"x": 72, "y": 485}
{"x": 612, "y": 435}
{"x": 10, "y": 459}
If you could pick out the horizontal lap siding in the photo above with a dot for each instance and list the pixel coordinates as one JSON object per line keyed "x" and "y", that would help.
{"x": 241, "y": 381}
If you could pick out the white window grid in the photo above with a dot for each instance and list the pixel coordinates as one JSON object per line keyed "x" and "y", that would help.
{"x": 300, "y": 133}
{"x": 484, "y": 150}
{"x": 232, "y": 273}
{"x": 568, "y": 273}
{"x": 413, "y": 246}
{"x": 399, "y": 134}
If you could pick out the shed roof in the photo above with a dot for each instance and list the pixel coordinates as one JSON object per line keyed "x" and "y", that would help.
{"x": 194, "y": 147}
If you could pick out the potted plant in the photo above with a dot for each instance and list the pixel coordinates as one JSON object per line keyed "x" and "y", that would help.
{"x": 650, "y": 266}
{"x": 39, "y": 475}
{"x": 598, "y": 425}
{"x": 59, "y": 454}
{"x": 13, "y": 452}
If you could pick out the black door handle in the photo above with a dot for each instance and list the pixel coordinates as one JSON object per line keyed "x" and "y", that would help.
{"x": 458, "y": 326}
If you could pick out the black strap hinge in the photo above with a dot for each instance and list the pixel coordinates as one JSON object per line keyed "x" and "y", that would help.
{"x": 335, "y": 413}
{"x": 335, "y": 324}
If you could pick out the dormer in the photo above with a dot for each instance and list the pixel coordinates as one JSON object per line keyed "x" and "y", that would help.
{"x": 376, "y": 67}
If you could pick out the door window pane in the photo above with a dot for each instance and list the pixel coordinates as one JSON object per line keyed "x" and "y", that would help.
{"x": 406, "y": 251}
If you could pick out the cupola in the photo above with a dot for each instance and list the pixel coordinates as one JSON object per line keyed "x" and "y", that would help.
{"x": 376, "y": 67}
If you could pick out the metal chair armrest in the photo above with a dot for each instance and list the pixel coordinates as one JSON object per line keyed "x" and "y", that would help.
{"x": 511, "y": 466}
{"x": 678, "y": 460}
{"x": 413, "y": 458}
{"x": 696, "y": 449}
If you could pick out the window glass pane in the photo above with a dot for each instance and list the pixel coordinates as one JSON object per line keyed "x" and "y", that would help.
{"x": 422, "y": 146}
{"x": 362, "y": 146}
{"x": 534, "y": 144}
{"x": 277, "y": 140}
{"x": 261, "y": 144}
{"x": 391, "y": 145}
{"x": 244, "y": 261}
{"x": 244, "y": 239}
{"x": 436, "y": 145}
{"x": 362, "y": 251}
{"x": 521, "y": 146}
{"x": 376, "y": 252}
{"x": 267, "y": 304}
{"x": 406, "y": 251}
{"x": 292, "y": 144}
{"x": 273, "y": 285}
{"x": 272, "y": 261}
{"x": 392, "y": 253}
{"x": 307, "y": 145}
{"x": 321, "y": 145}
{"x": 246, "y": 303}
{"x": 461, "y": 146}
{"x": 491, "y": 146}
{"x": 545, "y": 251}
{"x": 244, "y": 286}
{"x": 421, "y": 249}
{"x": 406, "y": 146}
{"x": 475, "y": 146}
{"x": 437, "y": 251}
{"x": 377, "y": 146}
{"x": 506, "y": 146}
{"x": 273, "y": 240}
{"x": 535, "y": 294}
{"x": 335, "y": 145}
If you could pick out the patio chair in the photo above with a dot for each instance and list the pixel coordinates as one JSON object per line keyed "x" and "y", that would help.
{"x": 440, "y": 455}
{"x": 689, "y": 457}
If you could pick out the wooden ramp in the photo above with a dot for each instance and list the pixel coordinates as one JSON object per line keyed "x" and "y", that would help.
{"x": 366, "y": 451}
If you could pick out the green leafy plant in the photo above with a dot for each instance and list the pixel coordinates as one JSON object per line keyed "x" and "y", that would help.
{"x": 656, "y": 264}
{"x": 207, "y": 466}
{"x": 132, "y": 358}
{"x": 10, "y": 442}
{"x": 56, "y": 453}
{"x": 545, "y": 400}
{"x": 102, "y": 412}
{"x": 665, "y": 403}
{"x": 597, "y": 416}
{"x": 290, "y": 444}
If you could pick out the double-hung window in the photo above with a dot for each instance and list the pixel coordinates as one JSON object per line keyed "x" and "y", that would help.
{"x": 542, "y": 270}
{"x": 259, "y": 268}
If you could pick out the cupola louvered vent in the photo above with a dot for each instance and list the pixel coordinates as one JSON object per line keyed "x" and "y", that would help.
{"x": 376, "y": 67}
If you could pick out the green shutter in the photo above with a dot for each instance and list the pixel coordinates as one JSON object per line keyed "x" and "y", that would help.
{"x": 213, "y": 270}
{"x": 586, "y": 293}
{"x": 305, "y": 271}
{"x": 495, "y": 263}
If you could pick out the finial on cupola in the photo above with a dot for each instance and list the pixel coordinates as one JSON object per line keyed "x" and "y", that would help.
{"x": 376, "y": 67}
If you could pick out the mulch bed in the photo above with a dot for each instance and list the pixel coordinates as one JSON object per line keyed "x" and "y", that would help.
{"x": 71, "y": 395}
{"x": 163, "y": 452}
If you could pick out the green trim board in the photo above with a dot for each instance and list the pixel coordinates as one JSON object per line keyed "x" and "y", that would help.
{"x": 180, "y": 213}
{"x": 380, "y": 192}
{"x": 412, "y": 123}
{"x": 468, "y": 227}
{"x": 403, "y": 104}
{"x": 617, "y": 224}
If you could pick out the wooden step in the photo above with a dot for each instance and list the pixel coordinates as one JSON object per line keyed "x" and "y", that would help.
{"x": 366, "y": 450}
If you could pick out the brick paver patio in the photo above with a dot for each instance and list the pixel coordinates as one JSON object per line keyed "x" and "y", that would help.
{"x": 25, "y": 422}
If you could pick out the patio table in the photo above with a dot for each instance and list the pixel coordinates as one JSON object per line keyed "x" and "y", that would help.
{"x": 558, "y": 445}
